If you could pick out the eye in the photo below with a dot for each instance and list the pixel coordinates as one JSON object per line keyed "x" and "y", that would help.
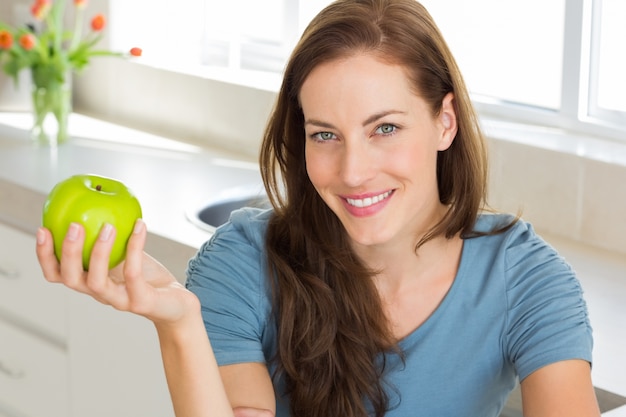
{"x": 323, "y": 136}
{"x": 386, "y": 129}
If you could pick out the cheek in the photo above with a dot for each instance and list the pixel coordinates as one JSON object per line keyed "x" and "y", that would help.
{"x": 416, "y": 161}
{"x": 313, "y": 169}
{"x": 413, "y": 155}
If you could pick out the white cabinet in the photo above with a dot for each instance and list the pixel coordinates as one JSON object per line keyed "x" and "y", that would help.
{"x": 33, "y": 374}
{"x": 33, "y": 354}
{"x": 24, "y": 294}
{"x": 62, "y": 354}
{"x": 115, "y": 363}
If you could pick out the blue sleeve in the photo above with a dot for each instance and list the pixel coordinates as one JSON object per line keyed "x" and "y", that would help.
{"x": 228, "y": 277}
{"x": 547, "y": 316}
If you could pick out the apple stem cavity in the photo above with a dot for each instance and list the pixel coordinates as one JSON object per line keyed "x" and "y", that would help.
{"x": 98, "y": 187}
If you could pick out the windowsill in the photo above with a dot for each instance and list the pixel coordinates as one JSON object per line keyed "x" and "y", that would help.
{"x": 555, "y": 139}
{"x": 84, "y": 127}
{"x": 260, "y": 80}
{"x": 550, "y": 138}
{"x": 232, "y": 86}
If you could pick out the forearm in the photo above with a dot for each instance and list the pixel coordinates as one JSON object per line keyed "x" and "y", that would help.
{"x": 192, "y": 373}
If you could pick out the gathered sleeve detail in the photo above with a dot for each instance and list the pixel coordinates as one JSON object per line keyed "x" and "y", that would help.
{"x": 547, "y": 319}
{"x": 228, "y": 276}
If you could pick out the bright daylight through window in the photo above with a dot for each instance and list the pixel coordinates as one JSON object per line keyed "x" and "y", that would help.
{"x": 608, "y": 93}
{"x": 557, "y": 62}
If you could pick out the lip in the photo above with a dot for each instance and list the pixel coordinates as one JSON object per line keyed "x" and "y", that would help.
{"x": 363, "y": 205}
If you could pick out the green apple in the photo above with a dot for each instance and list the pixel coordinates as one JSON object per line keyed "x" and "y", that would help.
{"x": 92, "y": 201}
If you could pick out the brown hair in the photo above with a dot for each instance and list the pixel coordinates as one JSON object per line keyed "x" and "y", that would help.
{"x": 331, "y": 325}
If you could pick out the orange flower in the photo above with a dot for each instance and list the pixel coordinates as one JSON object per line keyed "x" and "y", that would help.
{"x": 6, "y": 39}
{"x": 136, "y": 51}
{"x": 98, "y": 22}
{"x": 41, "y": 8}
{"x": 80, "y": 4}
{"x": 28, "y": 41}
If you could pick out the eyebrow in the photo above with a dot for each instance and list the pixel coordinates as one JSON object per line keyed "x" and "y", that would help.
{"x": 369, "y": 120}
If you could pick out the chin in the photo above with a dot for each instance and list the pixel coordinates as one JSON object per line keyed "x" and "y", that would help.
{"x": 368, "y": 238}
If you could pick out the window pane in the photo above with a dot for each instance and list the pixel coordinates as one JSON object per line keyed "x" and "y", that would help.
{"x": 508, "y": 50}
{"x": 261, "y": 20}
{"x": 178, "y": 41}
{"x": 308, "y": 10}
{"x": 211, "y": 32}
{"x": 612, "y": 56}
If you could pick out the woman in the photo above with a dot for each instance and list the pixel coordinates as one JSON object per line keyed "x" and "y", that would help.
{"x": 376, "y": 285}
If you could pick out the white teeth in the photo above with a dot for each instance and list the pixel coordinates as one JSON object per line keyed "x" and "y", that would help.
{"x": 366, "y": 202}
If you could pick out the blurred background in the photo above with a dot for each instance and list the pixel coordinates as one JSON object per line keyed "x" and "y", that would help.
{"x": 182, "y": 125}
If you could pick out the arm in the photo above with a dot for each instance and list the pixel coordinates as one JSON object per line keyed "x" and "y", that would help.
{"x": 249, "y": 387}
{"x": 143, "y": 286}
{"x": 191, "y": 370}
{"x": 560, "y": 389}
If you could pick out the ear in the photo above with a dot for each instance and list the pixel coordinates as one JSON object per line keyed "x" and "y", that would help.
{"x": 447, "y": 121}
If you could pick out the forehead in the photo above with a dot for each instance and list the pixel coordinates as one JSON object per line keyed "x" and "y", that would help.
{"x": 357, "y": 67}
{"x": 364, "y": 80}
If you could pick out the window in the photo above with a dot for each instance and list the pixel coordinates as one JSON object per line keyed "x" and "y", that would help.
{"x": 506, "y": 50}
{"x": 171, "y": 31}
{"x": 557, "y": 62}
{"x": 236, "y": 34}
{"x": 607, "y": 97}
{"x": 261, "y": 38}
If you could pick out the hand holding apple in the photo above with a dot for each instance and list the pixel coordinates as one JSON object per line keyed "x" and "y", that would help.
{"x": 92, "y": 201}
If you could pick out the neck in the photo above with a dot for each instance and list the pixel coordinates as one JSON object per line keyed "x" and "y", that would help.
{"x": 403, "y": 248}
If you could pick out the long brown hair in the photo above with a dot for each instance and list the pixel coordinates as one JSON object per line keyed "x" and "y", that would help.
{"x": 331, "y": 325}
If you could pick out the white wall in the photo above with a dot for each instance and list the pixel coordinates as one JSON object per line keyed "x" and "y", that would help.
{"x": 567, "y": 185}
{"x": 188, "y": 108}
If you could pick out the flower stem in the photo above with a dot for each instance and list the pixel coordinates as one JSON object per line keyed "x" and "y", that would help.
{"x": 78, "y": 28}
{"x": 57, "y": 12}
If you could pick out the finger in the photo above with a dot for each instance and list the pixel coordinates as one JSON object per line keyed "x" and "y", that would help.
{"x": 45, "y": 255}
{"x": 72, "y": 273}
{"x": 136, "y": 285}
{"x": 98, "y": 274}
{"x": 133, "y": 267}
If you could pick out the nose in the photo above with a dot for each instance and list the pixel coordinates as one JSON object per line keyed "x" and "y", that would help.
{"x": 357, "y": 162}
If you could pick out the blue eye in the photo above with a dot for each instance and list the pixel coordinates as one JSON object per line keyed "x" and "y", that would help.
{"x": 324, "y": 136}
{"x": 386, "y": 129}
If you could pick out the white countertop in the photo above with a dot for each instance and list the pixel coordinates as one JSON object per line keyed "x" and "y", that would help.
{"x": 168, "y": 177}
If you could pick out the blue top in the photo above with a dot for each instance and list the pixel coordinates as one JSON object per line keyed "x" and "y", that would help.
{"x": 514, "y": 307}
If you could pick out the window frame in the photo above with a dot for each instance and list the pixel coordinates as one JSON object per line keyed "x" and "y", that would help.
{"x": 594, "y": 109}
{"x": 578, "y": 111}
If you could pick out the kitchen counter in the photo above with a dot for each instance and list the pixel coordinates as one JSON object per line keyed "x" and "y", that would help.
{"x": 170, "y": 178}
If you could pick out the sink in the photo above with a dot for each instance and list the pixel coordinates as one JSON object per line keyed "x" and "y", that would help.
{"x": 217, "y": 212}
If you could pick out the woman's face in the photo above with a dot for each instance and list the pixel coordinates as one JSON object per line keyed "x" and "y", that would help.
{"x": 371, "y": 148}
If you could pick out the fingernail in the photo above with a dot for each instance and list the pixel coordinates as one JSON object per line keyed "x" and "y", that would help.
{"x": 72, "y": 232}
{"x": 41, "y": 236}
{"x": 138, "y": 226}
{"x": 105, "y": 233}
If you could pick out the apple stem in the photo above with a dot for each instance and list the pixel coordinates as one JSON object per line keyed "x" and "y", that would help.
{"x": 99, "y": 187}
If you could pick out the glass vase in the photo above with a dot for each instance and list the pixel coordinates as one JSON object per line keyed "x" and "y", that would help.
{"x": 52, "y": 105}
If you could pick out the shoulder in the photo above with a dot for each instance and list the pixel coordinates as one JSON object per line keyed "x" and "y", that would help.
{"x": 245, "y": 231}
{"x": 235, "y": 252}
{"x": 547, "y": 319}
{"x": 229, "y": 277}
{"x": 523, "y": 258}
{"x": 246, "y": 225}
{"x": 517, "y": 242}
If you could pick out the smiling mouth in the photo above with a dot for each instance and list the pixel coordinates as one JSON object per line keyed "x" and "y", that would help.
{"x": 369, "y": 201}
